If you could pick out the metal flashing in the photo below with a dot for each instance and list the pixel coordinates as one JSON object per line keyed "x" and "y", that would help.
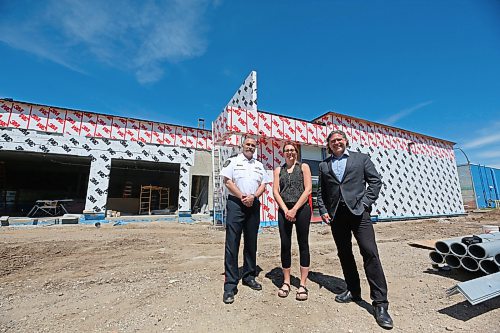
{"x": 478, "y": 290}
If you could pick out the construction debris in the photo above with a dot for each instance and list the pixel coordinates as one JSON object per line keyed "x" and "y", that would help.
{"x": 472, "y": 253}
{"x": 4, "y": 220}
{"x": 478, "y": 290}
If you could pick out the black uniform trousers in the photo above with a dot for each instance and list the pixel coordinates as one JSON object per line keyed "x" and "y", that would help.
{"x": 240, "y": 218}
{"x": 344, "y": 225}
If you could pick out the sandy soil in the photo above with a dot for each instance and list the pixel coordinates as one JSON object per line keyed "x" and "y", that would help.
{"x": 157, "y": 277}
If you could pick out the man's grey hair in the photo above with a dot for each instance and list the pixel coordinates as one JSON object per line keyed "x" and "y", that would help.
{"x": 245, "y": 138}
{"x": 331, "y": 134}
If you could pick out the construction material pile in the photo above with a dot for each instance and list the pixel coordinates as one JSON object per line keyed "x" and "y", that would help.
{"x": 472, "y": 253}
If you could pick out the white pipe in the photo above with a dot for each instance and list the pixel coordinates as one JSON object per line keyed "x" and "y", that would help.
{"x": 436, "y": 257}
{"x": 497, "y": 259}
{"x": 484, "y": 250}
{"x": 489, "y": 266}
{"x": 458, "y": 249}
{"x": 443, "y": 246}
{"x": 490, "y": 237}
{"x": 452, "y": 261}
{"x": 469, "y": 264}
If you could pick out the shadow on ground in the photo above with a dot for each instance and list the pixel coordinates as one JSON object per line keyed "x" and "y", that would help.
{"x": 464, "y": 311}
{"x": 455, "y": 274}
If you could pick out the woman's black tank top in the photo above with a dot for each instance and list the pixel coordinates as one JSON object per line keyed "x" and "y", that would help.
{"x": 291, "y": 184}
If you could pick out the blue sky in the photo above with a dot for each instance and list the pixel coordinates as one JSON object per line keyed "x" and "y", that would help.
{"x": 428, "y": 66}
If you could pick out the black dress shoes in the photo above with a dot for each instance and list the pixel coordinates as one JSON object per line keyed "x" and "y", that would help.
{"x": 383, "y": 318}
{"x": 228, "y": 296}
{"x": 252, "y": 284}
{"x": 347, "y": 297}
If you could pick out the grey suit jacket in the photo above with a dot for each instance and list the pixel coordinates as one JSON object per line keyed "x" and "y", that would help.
{"x": 359, "y": 173}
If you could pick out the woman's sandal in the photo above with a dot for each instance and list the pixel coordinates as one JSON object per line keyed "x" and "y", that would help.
{"x": 284, "y": 292}
{"x": 302, "y": 295}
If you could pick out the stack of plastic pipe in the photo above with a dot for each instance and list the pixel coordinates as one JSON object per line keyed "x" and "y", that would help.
{"x": 481, "y": 256}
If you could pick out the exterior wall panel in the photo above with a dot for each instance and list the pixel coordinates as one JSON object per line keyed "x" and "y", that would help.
{"x": 486, "y": 187}
{"x": 102, "y": 152}
{"x": 419, "y": 173}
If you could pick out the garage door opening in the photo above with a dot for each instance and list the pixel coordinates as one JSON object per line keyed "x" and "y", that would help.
{"x": 142, "y": 187}
{"x": 26, "y": 178}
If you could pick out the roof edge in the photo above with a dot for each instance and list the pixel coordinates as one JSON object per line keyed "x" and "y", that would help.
{"x": 388, "y": 126}
{"x": 102, "y": 114}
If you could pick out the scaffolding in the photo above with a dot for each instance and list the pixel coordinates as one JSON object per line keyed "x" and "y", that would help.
{"x": 218, "y": 194}
{"x": 153, "y": 198}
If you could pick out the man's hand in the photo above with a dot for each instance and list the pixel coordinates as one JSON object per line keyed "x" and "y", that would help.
{"x": 326, "y": 218}
{"x": 367, "y": 208}
{"x": 247, "y": 200}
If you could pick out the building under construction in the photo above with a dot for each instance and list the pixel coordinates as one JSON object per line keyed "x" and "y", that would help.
{"x": 55, "y": 160}
{"x": 75, "y": 161}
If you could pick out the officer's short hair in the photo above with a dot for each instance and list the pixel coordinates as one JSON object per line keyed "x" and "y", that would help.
{"x": 245, "y": 138}
{"x": 331, "y": 134}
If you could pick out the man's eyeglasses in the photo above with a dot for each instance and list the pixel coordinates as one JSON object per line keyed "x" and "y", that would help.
{"x": 289, "y": 150}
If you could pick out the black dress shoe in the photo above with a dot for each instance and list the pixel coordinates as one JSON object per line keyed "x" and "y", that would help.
{"x": 347, "y": 297}
{"x": 228, "y": 296}
{"x": 252, "y": 284}
{"x": 383, "y": 318}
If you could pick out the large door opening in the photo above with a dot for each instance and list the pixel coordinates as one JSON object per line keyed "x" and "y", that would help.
{"x": 313, "y": 157}
{"x": 26, "y": 178}
{"x": 199, "y": 194}
{"x": 133, "y": 184}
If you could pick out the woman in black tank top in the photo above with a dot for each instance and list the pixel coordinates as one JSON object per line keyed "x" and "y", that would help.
{"x": 291, "y": 188}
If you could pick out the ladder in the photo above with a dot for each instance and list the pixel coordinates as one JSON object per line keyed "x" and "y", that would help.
{"x": 219, "y": 204}
{"x": 153, "y": 198}
{"x": 127, "y": 189}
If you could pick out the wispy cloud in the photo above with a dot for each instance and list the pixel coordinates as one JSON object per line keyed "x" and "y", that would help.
{"x": 489, "y": 154}
{"x": 483, "y": 144}
{"x": 482, "y": 141}
{"x": 405, "y": 112}
{"x": 134, "y": 36}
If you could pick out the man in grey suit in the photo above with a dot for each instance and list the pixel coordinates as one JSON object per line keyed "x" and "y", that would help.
{"x": 348, "y": 186}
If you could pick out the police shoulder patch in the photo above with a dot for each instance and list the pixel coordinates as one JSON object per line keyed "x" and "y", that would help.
{"x": 226, "y": 163}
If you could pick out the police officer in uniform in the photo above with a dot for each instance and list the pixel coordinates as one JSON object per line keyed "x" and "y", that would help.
{"x": 245, "y": 178}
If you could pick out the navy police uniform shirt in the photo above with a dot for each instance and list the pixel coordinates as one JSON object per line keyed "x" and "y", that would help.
{"x": 246, "y": 174}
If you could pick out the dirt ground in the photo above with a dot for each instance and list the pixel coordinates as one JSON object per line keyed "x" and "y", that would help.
{"x": 158, "y": 277}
